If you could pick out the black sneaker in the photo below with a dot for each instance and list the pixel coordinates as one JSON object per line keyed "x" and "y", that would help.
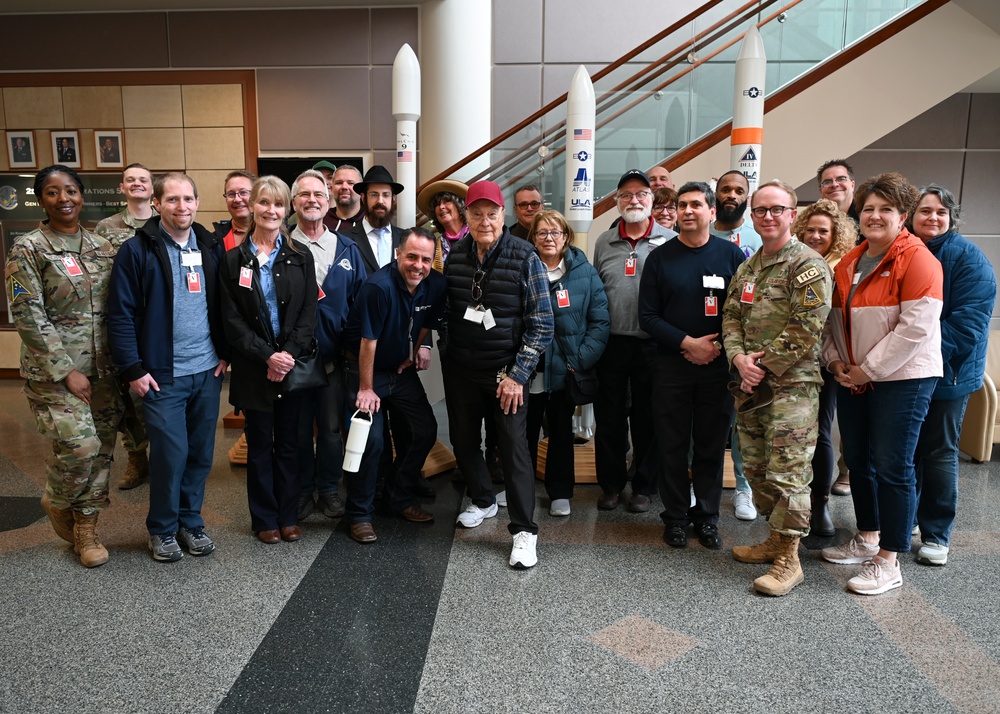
{"x": 331, "y": 505}
{"x": 675, "y": 536}
{"x": 708, "y": 536}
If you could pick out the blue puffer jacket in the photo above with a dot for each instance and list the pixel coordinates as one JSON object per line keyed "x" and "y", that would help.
{"x": 582, "y": 329}
{"x": 970, "y": 288}
{"x": 339, "y": 290}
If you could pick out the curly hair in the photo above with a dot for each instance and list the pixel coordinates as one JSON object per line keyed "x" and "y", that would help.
{"x": 845, "y": 233}
{"x": 891, "y": 187}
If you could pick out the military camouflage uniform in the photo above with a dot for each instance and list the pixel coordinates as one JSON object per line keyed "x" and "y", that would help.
{"x": 117, "y": 229}
{"x": 62, "y": 321}
{"x": 784, "y": 318}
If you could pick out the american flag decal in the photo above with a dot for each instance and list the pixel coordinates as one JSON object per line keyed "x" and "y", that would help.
{"x": 582, "y": 135}
{"x": 404, "y": 156}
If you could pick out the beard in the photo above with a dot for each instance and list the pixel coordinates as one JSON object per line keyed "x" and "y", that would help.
{"x": 723, "y": 214}
{"x": 349, "y": 202}
{"x": 380, "y": 219}
{"x": 636, "y": 215}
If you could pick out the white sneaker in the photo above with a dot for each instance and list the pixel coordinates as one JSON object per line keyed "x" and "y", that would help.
{"x": 474, "y": 515}
{"x": 523, "y": 556}
{"x": 694, "y": 501}
{"x": 915, "y": 532}
{"x": 856, "y": 550}
{"x": 559, "y": 507}
{"x": 743, "y": 505}
{"x": 502, "y": 499}
{"x": 932, "y": 554}
{"x": 876, "y": 577}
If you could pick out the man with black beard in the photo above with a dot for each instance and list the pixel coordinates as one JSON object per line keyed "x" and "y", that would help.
{"x": 376, "y": 238}
{"x": 731, "y": 195}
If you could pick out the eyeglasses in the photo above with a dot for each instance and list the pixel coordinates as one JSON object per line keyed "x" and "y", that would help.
{"x": 477, "y": 217}
{"x": 762, "y": 211}
{"x": 477, "y": 285}
{"x": 829, "y": 182}
{"x": 554, "y": 235}
{"x": 373, "y": 195}
{"x": 311, "y": 194}
{"x": 660, "y": 208}
{"x": 639, "y": 196}
{"x": 233, "y": 195}
{"x": 525, "y": 205}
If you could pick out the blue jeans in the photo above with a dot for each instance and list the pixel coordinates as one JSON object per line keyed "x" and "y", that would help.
{"x": 879, "y": 428}
{"x": 937, "y": 469}
{"x": 737, "y": 456}
{"x": 320, "y": 468}
{"x": 180, "y": 421}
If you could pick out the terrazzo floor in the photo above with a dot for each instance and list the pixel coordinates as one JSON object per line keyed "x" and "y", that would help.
{"x": 431, "y": 619}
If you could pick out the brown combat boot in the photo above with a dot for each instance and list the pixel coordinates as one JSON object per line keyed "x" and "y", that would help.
{"x": 786, "y": 572}
{"x": 760, "y": 553}
{"x": 136, "y": 471}
{"x": 91, "y": 552}
{"x": 61, "y": 519}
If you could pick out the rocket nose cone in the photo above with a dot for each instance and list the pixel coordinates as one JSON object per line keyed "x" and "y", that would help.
{"x": 752, "y": 46}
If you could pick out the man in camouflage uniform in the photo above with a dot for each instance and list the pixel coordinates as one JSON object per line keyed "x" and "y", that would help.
{"x": 58, "y": 300}
{"x": 772, "y": 325}
{"x": 137, "y": 185}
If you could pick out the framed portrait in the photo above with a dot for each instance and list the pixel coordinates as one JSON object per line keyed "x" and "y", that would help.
{"x": 66, "y": 148}
{"x": 21, "y": 149}
{"x": 110, "y": 152}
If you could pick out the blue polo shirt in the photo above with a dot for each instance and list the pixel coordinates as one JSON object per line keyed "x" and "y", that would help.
{"x": 385, "y": 311}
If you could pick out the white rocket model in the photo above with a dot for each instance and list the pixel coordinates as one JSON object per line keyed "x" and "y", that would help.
{"x": 406, "y": 111}
{"x": 748, "y": 108}
{"x": 581, "y": 110}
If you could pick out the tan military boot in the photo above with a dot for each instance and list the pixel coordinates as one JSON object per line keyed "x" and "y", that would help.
{"x": 760, "y": 553}
{"x": 91, "y": 552}
{"x": 136, "y": 471}
{"x": 61, "y": 519}
{"x": 786, "y": 572}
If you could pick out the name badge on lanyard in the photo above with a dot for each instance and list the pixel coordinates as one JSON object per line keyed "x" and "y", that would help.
{"x": 71, "y": 266}
{"x": 190, "y": 259}
{"x": 630, "y": 267}
{"x": 194, "y": 282}
{"x": 562, "y": 298}
{"x": 246, "y": 278}
{"x": 748, "y": 291}
{"x": 711, "y": 306}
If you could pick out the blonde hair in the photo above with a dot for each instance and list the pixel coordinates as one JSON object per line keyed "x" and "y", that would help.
{"x": 845, "y": 233}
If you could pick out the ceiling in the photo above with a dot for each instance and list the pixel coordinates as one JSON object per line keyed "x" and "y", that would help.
{"x": 63, "y": 6}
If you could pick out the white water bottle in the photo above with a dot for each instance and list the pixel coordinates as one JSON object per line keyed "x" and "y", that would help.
{"x": 357, "y": 440}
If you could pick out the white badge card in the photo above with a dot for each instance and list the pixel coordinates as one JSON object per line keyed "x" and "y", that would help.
{"x": 190, "y": 260}
{"x": 262, "y": 259}
{"x": 713, "y": 282}
{"x": 474, "y": 314}
{"x": 488, "y": 322}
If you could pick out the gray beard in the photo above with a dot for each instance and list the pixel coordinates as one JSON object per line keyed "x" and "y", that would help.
{"x": 636, "y": 215}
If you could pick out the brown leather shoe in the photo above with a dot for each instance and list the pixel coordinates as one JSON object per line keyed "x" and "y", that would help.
{"x": 291, "y": 533}
{"x": 415, "y": 514}
{"x": 269, "y": 537}
{"x": 363, "y": 533}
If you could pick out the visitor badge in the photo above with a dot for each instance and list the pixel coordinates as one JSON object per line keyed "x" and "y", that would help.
{"x": 562, "y": 298}
{"x": 630, "y": 267}
{"x": 71, "y": 266}
{"x": 488, "y": 321}
{"x": 748, "y": 290}
{"x": 735, "y": 238}
{"x": 194, "y": 282}
{"x": 321, "y": 294}
{"x": 474, "y": 314}
{"x": 190, "y": 259}
{"x": 713, "y": 282}
{"x": 246, "y": 277}
{"x": 711, "y": 306}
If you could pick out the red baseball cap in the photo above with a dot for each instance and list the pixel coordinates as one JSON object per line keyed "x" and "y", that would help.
{"x": 484, "y": 191}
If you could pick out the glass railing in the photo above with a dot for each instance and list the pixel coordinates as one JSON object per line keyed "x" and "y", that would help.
{"x": 681, "y": 88}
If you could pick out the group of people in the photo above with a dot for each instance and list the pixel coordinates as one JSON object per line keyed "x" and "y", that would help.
{"x": 693, "y": 318}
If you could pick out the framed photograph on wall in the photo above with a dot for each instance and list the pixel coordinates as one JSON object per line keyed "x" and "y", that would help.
{"x": 110, "y": 152}
{"x": 21, "y": 149}
{"x": 66, "y": 148}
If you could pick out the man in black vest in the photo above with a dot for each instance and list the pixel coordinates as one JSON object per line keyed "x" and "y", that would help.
{"x": 499, "y": 323}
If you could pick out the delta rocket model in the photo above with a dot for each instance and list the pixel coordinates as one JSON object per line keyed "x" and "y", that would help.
{"x": 581, "y": 110}
{"x": 748, "y": 108}
{"x": 406, "y": 111}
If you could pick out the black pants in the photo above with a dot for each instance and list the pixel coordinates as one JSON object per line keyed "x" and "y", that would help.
{"x": 824, "y": 461}
{"x": 626, "y": 364}
{"x": 272, "y": 463}
{"x": 560, "y": 474}
{"x": 471, "y": 397}
{"x": 693, "y": 407}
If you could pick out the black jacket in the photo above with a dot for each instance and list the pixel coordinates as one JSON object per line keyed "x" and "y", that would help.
{"x": 248, "y": 323}
{"x": 358, "y": 235}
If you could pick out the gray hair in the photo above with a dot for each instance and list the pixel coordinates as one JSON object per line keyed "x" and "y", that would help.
{"x": 947, "y": 199}
{"x": 310, "y": 173}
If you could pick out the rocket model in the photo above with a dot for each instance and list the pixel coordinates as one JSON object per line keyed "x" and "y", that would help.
{"x": 748, "y": 108}
{"x": 406, "y": 111}
{"x": 581, "y": 109}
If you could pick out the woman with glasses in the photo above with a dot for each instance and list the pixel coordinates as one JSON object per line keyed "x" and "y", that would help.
{"x": 883, "y": 346}
{"x": 237, "y": 194}
{"x": 444, "y": 203}
{"x": 665, "y": 209}
{"x": 582, "y": 326}
{"x": 827, "y": 230}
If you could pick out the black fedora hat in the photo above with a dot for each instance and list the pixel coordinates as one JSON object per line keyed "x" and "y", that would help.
{"x": 377, "y": 174}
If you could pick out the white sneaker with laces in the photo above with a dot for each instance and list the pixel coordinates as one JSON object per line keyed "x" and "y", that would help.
{"x": 474, "y": 515}
{"x": 523, "y": 555}
{"x": 559, "y": 507}
{"x": 932, "y": 554}
{"x": 502, "y": 499}
{"x": 743, "y": 505}
{"x": 876, "y": 577}
{"x": 856, "y": 550}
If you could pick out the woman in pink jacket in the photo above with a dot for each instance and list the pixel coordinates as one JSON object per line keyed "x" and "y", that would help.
{"x": 883, "y": 346}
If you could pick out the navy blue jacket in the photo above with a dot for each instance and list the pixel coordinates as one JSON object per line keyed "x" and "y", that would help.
{"x": 582, "y": 329}
{"x": 339, "y": 291}
{"x": 141, "y": 303}
{"x": 970, "y": 289}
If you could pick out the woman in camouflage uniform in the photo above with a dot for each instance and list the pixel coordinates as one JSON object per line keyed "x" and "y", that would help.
{"x": 57, "y": 282}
